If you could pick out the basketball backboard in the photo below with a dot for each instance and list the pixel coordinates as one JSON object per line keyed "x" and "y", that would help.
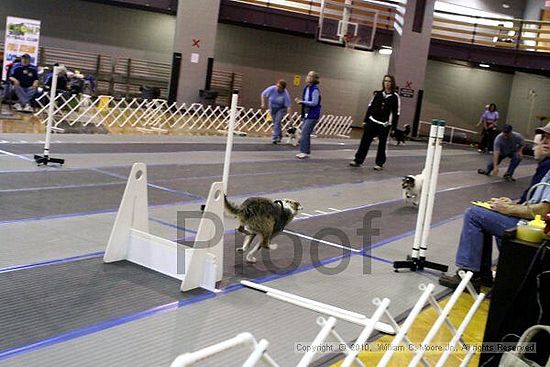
{"x": 344, "y": 20}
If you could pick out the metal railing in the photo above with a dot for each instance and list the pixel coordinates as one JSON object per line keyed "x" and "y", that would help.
{"x": 161, "y": 116}
{"x": 519, "y": 34}
{"x": 515, "y": 34}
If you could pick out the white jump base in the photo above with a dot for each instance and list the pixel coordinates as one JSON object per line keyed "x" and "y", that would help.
{"x": 130, "y": 238}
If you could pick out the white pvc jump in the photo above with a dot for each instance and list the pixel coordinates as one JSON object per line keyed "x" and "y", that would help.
{"x": 130, "y": 238}
{"x": 369, "y": 325}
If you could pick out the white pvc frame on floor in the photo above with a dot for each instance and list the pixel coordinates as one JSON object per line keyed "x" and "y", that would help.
{"x": 443, "y": 318}
{"x": 352, "y": 350}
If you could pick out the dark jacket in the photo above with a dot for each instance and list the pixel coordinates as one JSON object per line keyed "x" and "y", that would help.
{"x": 542, "y": 169}
{"x": 384, "y": 106}
{"x": 311, "y": 112}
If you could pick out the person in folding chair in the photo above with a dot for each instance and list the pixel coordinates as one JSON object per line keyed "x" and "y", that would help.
{"x": 8, "y": 90}
{"x": 481, "y": 224}
{"x": 24, "y": 78}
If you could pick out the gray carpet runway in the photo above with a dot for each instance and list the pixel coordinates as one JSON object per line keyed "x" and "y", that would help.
{"x": 89, "y": 292}
{"x": 68, "y": 148}
{"x": 41, "y": 303}
{"x": 39, "y": 194}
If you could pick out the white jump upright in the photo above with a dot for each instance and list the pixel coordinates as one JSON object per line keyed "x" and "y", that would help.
{"x": 130, "y": 238}
{"x": 417, "y": 260}
{"x": 45, "y": 159}
{"x": 229, "y": 144}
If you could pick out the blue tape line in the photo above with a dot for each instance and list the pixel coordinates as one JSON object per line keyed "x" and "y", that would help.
{"x": 51, "y": 262}
{"x": 172, "y": 225}
{"x": 177, "y": 192}
{"x": 9, "y": 353}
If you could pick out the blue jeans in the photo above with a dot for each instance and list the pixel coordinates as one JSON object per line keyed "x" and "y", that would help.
{"x": 7, "y": 91}
{"x": 277, "y": 115}
{"x": 476, "y": 239}
{"x": 24, "y": 95}
{"x": 305, "y": 140}
{"x": 514, "y": 163}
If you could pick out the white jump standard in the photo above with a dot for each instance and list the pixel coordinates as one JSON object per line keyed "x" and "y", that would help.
{"x": 417, "y": 259}
{"x": 45, "y": 159}
{"x": 130, "y": 238}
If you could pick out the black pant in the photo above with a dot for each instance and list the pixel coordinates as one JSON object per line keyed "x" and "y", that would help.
{"x": 488, "y": 139}
{"x": 372, "y": 130}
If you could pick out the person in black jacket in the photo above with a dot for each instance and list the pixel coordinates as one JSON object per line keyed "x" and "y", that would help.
{"x": 382, "y": 116}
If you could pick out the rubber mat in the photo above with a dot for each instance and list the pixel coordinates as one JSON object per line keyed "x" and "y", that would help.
{"x": 64, "y": 201}
{"x": 46, "y": 301}
{"x": 346, "y": 228}
{"x": 82, "y": 148}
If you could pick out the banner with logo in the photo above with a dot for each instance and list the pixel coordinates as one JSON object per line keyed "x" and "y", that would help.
{"x": 22, "y": 36}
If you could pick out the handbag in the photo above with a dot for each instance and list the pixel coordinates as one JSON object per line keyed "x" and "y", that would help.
{"x": 517, "y": 357}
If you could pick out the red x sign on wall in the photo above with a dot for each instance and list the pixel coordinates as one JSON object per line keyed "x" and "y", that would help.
{"x": 196, "y": 43}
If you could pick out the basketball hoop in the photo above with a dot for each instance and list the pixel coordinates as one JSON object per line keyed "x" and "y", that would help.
{"x": 350, "y": 40}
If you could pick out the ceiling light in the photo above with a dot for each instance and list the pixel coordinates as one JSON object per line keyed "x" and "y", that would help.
{"x": 385, "y": 50}
{"x": 484, "y": 65}
{"x": 506, "y": 6}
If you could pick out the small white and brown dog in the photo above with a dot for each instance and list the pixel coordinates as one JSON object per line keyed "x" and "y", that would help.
{"x": 412, "y": 188}
{"x": 293, "y": 135}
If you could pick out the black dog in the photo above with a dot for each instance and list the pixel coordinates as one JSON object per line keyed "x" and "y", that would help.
{"x": 401, "y": 135}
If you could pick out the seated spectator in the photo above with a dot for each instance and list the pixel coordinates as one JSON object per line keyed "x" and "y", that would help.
{"x": 7, "y": 84}
{"x": 62, "y": 80}
{"x": 480, "y": 224}
{"x": 24, "y": 78}
{"x": 508, "y": 144}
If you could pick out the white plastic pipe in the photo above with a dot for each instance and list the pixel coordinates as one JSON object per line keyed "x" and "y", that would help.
{"x": 259, "y": 354}
{"x": 466, "y": 361}
{"x": 323, "y": 308}
{"x": 365, "y": 334}
{"x": 424, "y": 193}
{"x": 189, "y": 359}
{"x": 402, "y": 331}
{"x": 463, "y": 325}
{"x": 432, "y": 191}
{"x": 319, "y": 339}
{"x": 51, "y": 108}
{"x": 229, "y": 144}
{"x": 441, "y": 319}
{"x": 273, "y": 291}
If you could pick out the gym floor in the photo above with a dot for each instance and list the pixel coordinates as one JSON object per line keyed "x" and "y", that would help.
{"x": 62, "y": 306}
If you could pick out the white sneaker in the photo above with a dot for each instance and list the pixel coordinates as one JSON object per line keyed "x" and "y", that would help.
{"x": 18, "y": 107}
{"x": 27, "y": 108}
{"x": 302, "y": 155}
{"x": 378, "y": 168}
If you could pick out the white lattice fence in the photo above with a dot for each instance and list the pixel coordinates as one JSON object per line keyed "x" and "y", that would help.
{"x": 159, "y": 115}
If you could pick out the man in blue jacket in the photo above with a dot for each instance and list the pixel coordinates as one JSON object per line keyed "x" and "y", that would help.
{"x": 24, "y": 78}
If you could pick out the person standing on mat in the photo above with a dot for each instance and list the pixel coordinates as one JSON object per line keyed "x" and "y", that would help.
{"x": 311, "y": 111}
{"x": 489, "y": 120}
{"x": 381, "y": 117}
{"x": 279, "y": 103}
